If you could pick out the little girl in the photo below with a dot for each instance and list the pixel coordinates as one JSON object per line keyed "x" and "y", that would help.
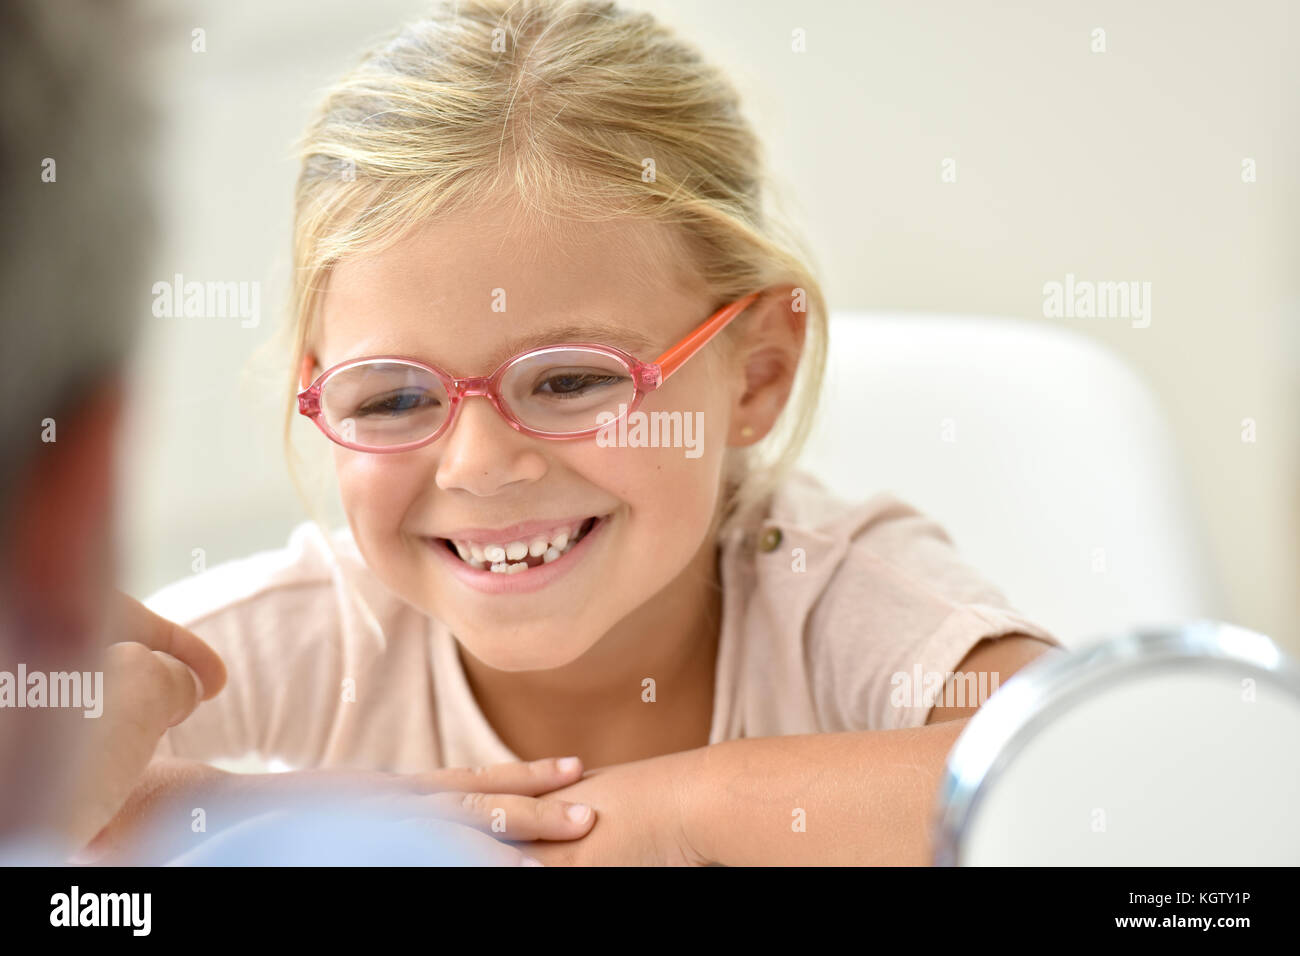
{"x": 524, "y": 230}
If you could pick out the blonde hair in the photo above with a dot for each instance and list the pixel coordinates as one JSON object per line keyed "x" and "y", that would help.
{"x": 559, "y": 103}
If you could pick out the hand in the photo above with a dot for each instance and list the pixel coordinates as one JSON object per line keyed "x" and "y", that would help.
{"x": 644, "y": 815}
{"x": 472, "y": 808}
{"x": 152, "y": 681}
{"x": 468, "y": 809}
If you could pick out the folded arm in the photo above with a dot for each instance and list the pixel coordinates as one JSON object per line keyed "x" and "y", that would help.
{"x": 862, "y": 797}
{"x": 858, "y": 797}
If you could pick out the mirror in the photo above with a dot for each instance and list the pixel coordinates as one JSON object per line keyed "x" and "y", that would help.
{"x": 1175, "y": 746}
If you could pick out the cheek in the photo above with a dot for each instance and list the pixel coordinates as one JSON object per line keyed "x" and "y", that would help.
{"x": 679, "y": 497}
{"x": 377, "y": 492}
{"x": 679, "y": 486}
{"x": 671, "y": 494}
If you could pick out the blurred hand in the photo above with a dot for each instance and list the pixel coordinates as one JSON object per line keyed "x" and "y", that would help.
{"x": 152, "y": 681}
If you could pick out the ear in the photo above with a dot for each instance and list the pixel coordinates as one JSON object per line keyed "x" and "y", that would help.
{"x": 305, "y": 369}
{"x": 767, "y": 355}
{"x": 56, "y": 557}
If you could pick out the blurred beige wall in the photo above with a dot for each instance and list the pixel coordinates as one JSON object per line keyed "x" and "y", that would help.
{"x": 1122, "y": 165}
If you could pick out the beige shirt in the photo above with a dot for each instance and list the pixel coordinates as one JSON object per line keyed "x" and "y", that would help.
{"x": 823, "y": 630}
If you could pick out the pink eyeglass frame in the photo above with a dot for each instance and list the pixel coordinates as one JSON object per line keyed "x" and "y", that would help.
{"x": 646, "y": 377}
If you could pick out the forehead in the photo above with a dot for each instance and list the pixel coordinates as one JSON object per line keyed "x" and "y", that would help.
{"x": 467, "y": 293}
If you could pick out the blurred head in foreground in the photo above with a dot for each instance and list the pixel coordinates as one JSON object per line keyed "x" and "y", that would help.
{"x": 73, "y": 166}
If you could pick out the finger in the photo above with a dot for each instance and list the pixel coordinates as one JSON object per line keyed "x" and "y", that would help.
{"x": 139, "y": 624}
{"x": 530, "y": 779}
{"x": 467, "y": 846}
{"x": 512, "y": 817}
{"x": 505, "y": 816}
{"x": 148, "y": 688}
{"x": 184, "y": 687}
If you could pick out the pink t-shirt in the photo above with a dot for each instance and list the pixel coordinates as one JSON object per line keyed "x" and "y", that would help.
{"x": 825, "y": 628}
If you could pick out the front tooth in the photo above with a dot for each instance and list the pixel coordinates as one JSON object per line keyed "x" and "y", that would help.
{"x": 550, "y": 555}
{"x": 476, "y": 552}
{"x": 517, "y": 567}
{"x": 499, "y": 567}
{"x": 560, "y": 539}
{"x": 516, "y": 550}
{"x": 537, "y": 547}
{"x": 494, "y": 554}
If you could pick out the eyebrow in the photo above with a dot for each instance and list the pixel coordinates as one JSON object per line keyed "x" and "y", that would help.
{"x": 635, "y": 343}
{"x": 622, "y": 337}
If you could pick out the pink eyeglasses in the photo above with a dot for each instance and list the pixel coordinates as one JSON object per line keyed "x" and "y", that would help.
{"x": 387, "y": 404}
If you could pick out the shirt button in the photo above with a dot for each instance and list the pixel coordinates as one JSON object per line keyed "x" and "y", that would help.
{"x": 770, "y": 540}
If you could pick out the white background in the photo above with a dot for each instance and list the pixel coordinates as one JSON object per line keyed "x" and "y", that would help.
{"x": 1117, "y": 166}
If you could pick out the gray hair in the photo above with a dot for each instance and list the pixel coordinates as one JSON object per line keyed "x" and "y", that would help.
{"x": 71, "y": 249}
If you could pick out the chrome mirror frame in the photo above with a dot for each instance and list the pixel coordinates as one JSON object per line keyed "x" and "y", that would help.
{"x": 1012, "y": 717}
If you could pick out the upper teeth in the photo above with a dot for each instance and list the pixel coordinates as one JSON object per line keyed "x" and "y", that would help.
{"x": 509, "y": 558}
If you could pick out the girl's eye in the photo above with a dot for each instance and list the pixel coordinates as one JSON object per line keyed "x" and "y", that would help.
{"x": 395, "y": 403}
{"x": 571, "y": 384}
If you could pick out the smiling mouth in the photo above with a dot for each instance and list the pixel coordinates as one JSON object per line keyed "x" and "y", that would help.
{"x": 514, "y": 557}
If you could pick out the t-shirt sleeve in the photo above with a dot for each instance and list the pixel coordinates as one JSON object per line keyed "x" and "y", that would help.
{"x": 902, "y": 607}
{"x": 270, "y": 618}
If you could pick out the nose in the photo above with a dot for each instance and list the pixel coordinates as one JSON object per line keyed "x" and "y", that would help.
{"x": 482, "y": 454}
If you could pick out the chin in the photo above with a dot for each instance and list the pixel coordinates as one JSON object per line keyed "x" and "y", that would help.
{"x": 525, "y": 649}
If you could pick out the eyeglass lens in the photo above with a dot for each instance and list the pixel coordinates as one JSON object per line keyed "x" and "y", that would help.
{"x": 561, "y": 391}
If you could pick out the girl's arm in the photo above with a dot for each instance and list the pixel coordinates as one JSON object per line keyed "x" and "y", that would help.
{"x": 852, "y": 798}
{"x": 864, "y": 797}
{"x": 856, "y": 798}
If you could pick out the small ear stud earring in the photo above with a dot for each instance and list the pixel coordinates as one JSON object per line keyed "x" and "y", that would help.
{"x": 747, "y": 431}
